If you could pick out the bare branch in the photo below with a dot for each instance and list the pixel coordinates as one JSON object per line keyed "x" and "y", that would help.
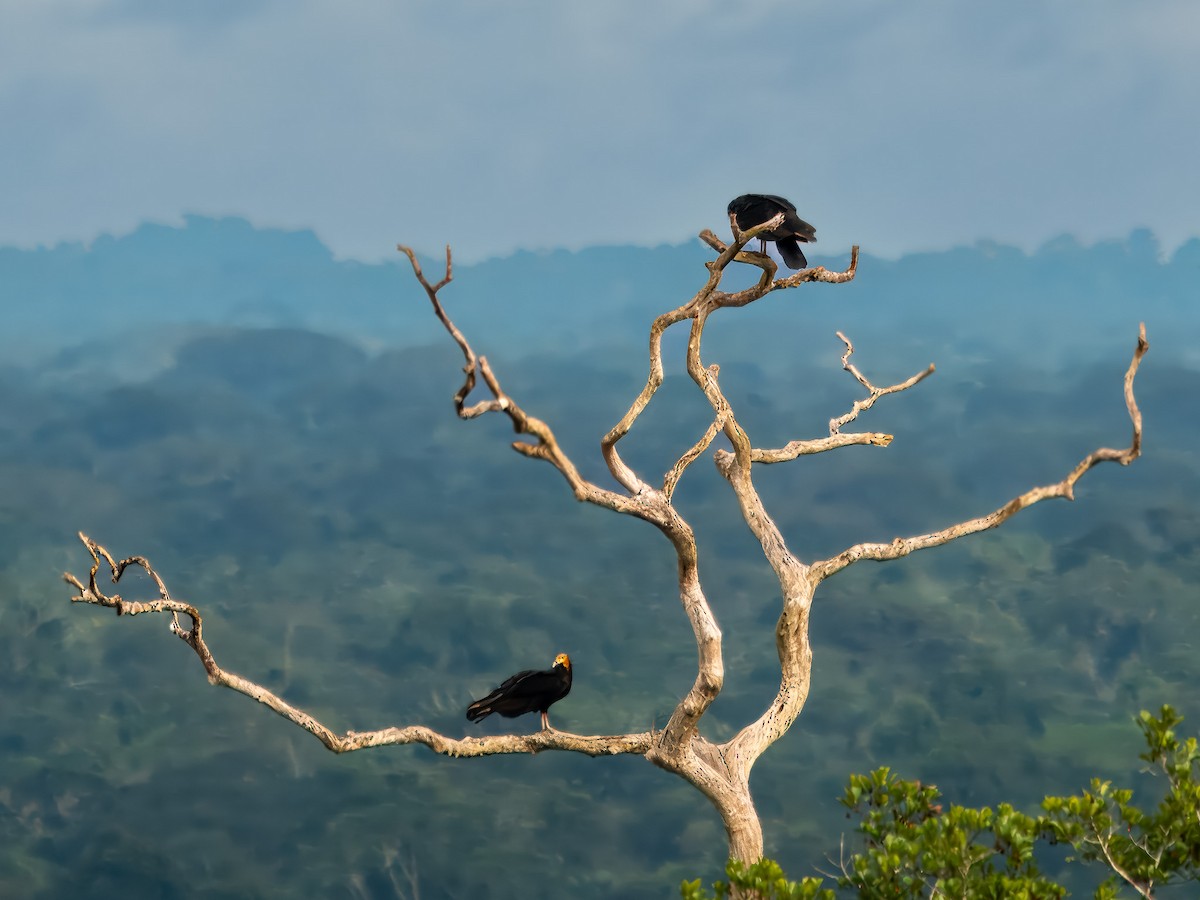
{"x": 769, "y": 283}
{"x": 874, "y": 393}
{"x": 704, "y": 302}
{"x": 1065, "y": 488}
{"x": 608, "y": 444}
{"x": 820, "y": 273}
{"x": 794, "y": 654}
{"x": 469, "y": 355}
{"x": 792, "y": 644}
{"x": 493, "y": 745}
{"x": 836, "y": 439}
{"x": 676, "y": 472}
{"x": 793, "y": 449}
{"x": 592, "y": 745}
{"x": 1102, "y": 841}
{"x": 646, "y": 503}
{"x": 791, "y": 632}
{"x": 546, "y": 446}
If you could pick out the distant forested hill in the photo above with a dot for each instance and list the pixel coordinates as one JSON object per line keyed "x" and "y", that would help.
{"x": 145, "y": 286}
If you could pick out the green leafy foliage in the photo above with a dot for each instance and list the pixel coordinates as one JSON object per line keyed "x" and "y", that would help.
{"x": 1144, "y": 849}
{"x": 763, "y": 879}
{"x": 914, "y": 847}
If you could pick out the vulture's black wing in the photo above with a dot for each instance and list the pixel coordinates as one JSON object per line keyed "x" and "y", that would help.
{"x": 750, "y": 210}
{"x": 526, "y": 692}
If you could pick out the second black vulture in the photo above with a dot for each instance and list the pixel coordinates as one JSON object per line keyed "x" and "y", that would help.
{"x": 526, "y": 692}
{"x": 754, "y": 209}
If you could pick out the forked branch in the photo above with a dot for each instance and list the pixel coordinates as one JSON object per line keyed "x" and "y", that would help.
{"x": 873, "y": 393}
{"x": 698, "y": 308}
{"x": 836, "y": 439}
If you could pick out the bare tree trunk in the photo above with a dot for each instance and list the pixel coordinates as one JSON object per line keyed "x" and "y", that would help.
{"x": 720, "y": 771}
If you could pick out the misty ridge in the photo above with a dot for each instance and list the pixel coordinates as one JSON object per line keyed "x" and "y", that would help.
{"x": 248, "y": 370}
{"x": 138, "y": 296}
{"x": 148, "y": 345}
{"x": 217, "y": 317}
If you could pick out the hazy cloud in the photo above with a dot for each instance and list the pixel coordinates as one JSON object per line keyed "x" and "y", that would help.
{"x": 494, "y": 126}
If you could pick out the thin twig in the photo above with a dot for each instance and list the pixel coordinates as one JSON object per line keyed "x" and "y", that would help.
{"x": 873, "y": 393}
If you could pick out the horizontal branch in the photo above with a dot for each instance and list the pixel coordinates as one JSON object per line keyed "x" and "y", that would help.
{"x": 494, "y": 745}
{"x": 804, "y": 276}
{"x": 1065, "y": 489}
{"x": 592, "y": 745}
{"x": 793, "y": 449}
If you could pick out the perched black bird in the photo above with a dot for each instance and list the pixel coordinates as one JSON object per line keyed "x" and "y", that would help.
{"x": 754, "y": 209}
{"x": 526, "y": 692}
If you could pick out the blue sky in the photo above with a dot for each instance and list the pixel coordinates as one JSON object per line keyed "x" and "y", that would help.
{"x": 495, "y": 126}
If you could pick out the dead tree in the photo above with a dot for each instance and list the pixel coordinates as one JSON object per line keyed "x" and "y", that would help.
{"x": 721, "y": 771}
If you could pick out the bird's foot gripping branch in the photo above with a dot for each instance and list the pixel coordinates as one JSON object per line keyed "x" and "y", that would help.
{"x": 526, "y": 692}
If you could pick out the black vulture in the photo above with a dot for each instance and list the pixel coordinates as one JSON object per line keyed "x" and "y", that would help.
{"x": 754, "y": 209}
{"x": 526, "y": 692}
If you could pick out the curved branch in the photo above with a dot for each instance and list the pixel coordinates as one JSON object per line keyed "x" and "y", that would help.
{"x": 795, "y": 654}
{"x": 608, "y": 444}
{"x": 767, "y": 264}
{"x": 1065, "y": 489}
{"x": 468, "y": 354}
{"x": 693, "y": 453}
{"x": 821, "y": 274}
{"x": 688, "y": 310}
{"x": 592, "y": 745}
{"x": 1144, "y": 890}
